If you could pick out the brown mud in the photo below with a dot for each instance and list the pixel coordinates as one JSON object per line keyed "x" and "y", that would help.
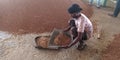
{"x": 30, "y": 16}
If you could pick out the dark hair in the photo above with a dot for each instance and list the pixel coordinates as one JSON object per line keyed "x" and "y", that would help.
{"x": 75, "y": 8}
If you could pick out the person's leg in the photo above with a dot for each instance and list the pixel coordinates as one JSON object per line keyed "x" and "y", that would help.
{"x": 74, "y": 32}
{"x": 105, "y": 2}
{"x": 90, "y": 1}
{"x": 82, "y": 45}
{"x": 117, "y": 9}
{"x": 98, "y": 3}
{"x": 73, "y": 29}
{"x": 84, "y": 37}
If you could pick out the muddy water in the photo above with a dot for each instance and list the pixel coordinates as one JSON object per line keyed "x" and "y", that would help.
{"x": 28, "y": 16}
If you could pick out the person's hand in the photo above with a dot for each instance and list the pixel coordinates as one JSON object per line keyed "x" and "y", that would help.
{"x": 64, "y": 30}
{"x": 65, "y": 47}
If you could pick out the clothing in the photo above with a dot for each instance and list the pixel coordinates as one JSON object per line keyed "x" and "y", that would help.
{"x": 98, "y": 2}
{"x": 82, "y": 24}
{"x": 84, "y": 37}
{"x": 75, "y": 34}
{"x": 117, "y": 9}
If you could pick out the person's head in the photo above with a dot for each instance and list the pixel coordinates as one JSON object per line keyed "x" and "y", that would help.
{"x": 75, "y": 10}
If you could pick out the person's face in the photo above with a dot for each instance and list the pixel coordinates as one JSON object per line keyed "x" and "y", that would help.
{"x": 75, "y": 15}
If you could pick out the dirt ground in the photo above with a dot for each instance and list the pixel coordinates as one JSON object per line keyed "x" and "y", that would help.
{"x": 26, "y": 16}
{"x": 21, "y": 47}
{"x": 113, "y": 51}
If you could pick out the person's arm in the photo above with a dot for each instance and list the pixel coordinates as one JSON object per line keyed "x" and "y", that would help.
{"x": 78, "y": 38}
{"x": 80, "y": 33}
{"x": 71, "y": 24}
{"x": 67, "y": 29}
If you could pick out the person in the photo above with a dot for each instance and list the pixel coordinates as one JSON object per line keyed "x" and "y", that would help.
{"x": 80, "y": 27}
{"x": 98, "y": 3}
{"x": 117, "y": 9}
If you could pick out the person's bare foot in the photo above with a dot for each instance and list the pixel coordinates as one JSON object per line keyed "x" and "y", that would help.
{"x": 81, "y": 47}
{"x": 90, "y": 4}
{"x": 98, "y": 7}
{"x": 111, "y": 15}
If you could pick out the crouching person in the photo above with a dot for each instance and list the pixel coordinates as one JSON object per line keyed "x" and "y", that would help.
{"x": 80, "y": 27}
